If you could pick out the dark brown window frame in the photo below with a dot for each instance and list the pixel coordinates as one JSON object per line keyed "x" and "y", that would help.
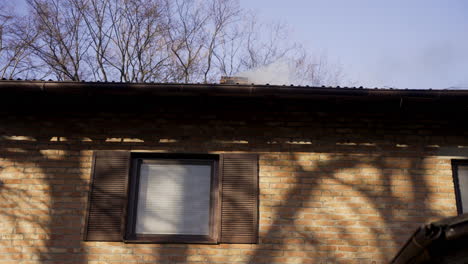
{"x": 136, "y": 160}
{"x": 456, "y": 183}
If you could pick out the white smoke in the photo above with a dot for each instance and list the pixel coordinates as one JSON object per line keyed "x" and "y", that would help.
{"x": 279, "y": 72}
{"x": 316, "y": 72}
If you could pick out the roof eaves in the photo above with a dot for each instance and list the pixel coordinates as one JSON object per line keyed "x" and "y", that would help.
{"x": 126, "y": 88}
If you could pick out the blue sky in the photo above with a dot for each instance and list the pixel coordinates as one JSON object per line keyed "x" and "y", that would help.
{"x": 380, "y": 43}
{"x": 392, "y": 43}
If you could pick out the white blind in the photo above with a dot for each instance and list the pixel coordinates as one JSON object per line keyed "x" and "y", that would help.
{"x": 463, "y": 185}
{"x": 174, "y": 199}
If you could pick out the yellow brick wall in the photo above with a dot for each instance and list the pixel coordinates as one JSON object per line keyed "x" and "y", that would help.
{"x": 334, "y": 187}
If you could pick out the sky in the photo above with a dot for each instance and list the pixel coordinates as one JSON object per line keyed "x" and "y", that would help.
{"x": 416, "y": 44}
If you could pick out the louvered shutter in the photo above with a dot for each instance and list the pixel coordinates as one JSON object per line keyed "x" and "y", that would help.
{"x": 239, "y": 198}
{"x": 108, "y": 196}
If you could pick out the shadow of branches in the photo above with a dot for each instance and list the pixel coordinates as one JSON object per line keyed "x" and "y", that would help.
{"x": 336, "y": 187}
{"x": 45, "y": 194}
{"x": 342, "y": 208}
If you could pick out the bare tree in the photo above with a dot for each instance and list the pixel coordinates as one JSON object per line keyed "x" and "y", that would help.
{"x": 147, "y": 40}
{"x": 95, "y": 20}
{"x": 135, "y": 46}
{"x": 62, "y": 42}
{"x": 250, "y": 45}
{"x": 187, "y": 36}
{"x": 15, "y": 38}
{"x": 317, "y": 70}
{"x": 224, "y": 14}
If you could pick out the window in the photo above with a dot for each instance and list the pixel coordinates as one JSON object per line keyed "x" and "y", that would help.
{"x": 460, "y": 178}
{"x": 173, "y": 198}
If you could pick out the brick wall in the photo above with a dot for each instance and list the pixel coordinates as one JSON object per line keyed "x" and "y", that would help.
{"x": 335, "y": 186}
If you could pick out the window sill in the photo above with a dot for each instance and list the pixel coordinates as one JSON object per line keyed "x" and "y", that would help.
{"x": 171, "y": 239}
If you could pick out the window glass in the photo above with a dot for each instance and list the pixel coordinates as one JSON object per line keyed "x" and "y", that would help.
{"x": 463, "y": 185}
{"x": 174, "y": 199}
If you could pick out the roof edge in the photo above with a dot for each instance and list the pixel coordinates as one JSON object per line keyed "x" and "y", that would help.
{"x": 252, "y": 90}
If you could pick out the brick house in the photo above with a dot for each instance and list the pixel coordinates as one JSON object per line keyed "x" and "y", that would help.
{"x": 224, "y": 173}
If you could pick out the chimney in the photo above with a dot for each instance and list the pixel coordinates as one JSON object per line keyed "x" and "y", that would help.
{"x": 233, "y": 80}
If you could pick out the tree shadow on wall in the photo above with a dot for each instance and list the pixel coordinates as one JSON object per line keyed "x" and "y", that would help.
{"x": 353, "y": 208}
{"x": 357, "y": 207}
{"x": 325, "y": 207}
{"x": 44, "y": 192}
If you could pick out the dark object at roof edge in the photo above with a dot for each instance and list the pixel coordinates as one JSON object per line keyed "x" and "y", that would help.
{"x": 443, "y": 241}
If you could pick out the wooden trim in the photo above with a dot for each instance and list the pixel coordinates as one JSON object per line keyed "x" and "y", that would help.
{"x": 88, "y": 203}
{"x": 174, "y": 156}
{"x": 167, "y": 239}
{"x": 123, "y": 221}
{"x": 169, "y": 158}
{"x": 214, "y": 202}
{"x": 257, "y": 194}
{"x": 216, "y": 194}
{"x": 132, "y": 199}
{"x": 456, "y": 183}
{"x": 177, "y": 161}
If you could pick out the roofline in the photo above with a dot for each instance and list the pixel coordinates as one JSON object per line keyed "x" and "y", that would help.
{"x": 237, "y": 90}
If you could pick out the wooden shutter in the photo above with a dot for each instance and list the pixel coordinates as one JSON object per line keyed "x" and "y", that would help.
{"x": 108, "y": 196}
{"x": 239, "y": 198}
